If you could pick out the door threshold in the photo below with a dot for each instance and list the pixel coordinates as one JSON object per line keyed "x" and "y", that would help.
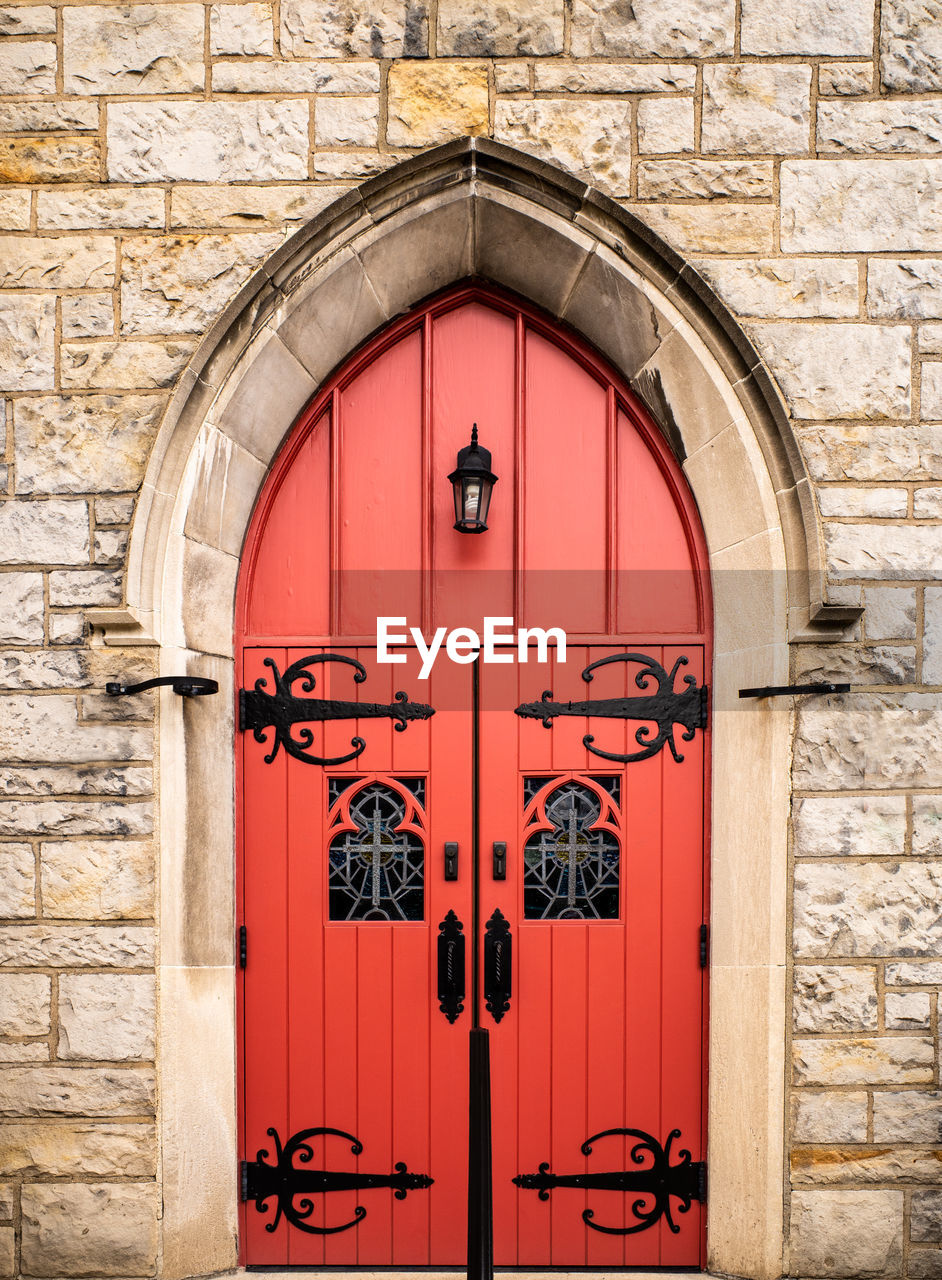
{"x": 449, "y": 1273}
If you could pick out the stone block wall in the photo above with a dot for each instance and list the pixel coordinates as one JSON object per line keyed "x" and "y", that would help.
{"x": 151, "y": 157}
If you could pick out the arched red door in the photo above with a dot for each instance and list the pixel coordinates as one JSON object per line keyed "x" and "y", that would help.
{"x": 427, "y": 845}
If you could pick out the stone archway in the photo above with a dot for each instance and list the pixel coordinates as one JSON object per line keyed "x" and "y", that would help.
{"x": 473, "y": 208}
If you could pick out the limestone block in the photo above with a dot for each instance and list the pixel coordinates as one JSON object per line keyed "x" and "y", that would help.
{"x": 49, "y": 160}
{"x": 911, "y": 551}
{"x": 825, "y": 1166}
{"x": 73, "y": 1091}
{"x": 719, "y": 228}
{"x": 241, "y": 28}
{"x": 890, "y": 612}
{"x": 296, "y": 77}
{"x": 665, "y": 125}
{"x": 926, "y": 1220}
{"x": 779, "y": 288}
{"x": 911, "y": 45}
{"x": 703, "y": 179}
{"x": 845, "y": 79}
{"x": 27, "y": 343}
{"x": 77, "y": 444}
{"x": 179, "y": 284}
{"x": 97, "y": 207}
{"x": 74, "y": 817}
{"x": 909, "y": 288}
{"x": 76, "y": 1229}
{"x": 835, "y": 998}
{"x": 512, "y": 76}
{"x": 873, "y": 453}
{"x": 25, "y": 1004}
{"x": 110, "y": 547}
{"x": 929, "y": 339}
{"x": 347, "y": 122}
{"x": 141, "y": 364}
{"x": 498, "y": 29}
{"x": 206, "y": 142}
{"x": 348, "y": 29}
{"x": 8, "y": 1199}
{"x": 864, "y": 1060}
{"x": 828, "y": 1116}
{"x": 17, "y": 881}
{"x": 838, "y": 500}
{"x": 811, "y": 26}
{"x": 27, "y": 20}
{"x": 430, "y": 102}
{"x": 50, "y": 532}
{"x": 21, "y": 608}
{"x": 846, "y": 1233}
{"x": 924, "y": 1264}
{"x": 856, "y": 664}
{"x": 920, "y": 973}
{"x": 113, "y": 510}
{"x": 20, "y": 1051}
{"x": 877, "y": 909}
{"x": 88, "y": 315}
{"x": 879, "y": 126}
{"x": 932, "y": 637}
{"x": 240, "y": 206}
{"x": 753, "y": 109}
{"x": 44, "y": 728}
{"x": 48, "y": 117}
{"x": 697, "y": 29}
{"x": 331, "y": 165}
{"x": 67, "y": 1150}
{"x": 839, "y": 370}
{"x": 930, "y": 407}
{"x": 84, "y": 780}
{"x": 28, "y": 67}
{"x": 14, "y": 210}
{"x": 106, "y": 1016}
{"x": 97, "y": 879}
{"x": 613, "y": 77}
{"x": 81, "y": 262}
{"x": 86, "y": 587}
{"x": 868, "y": 205}
{"x": 907, "y": 1116}
{"x": 105, "y": 947}
{"x": 593, "y": 141}
{"x": 855, "y": 826}
{"x": 908, "y": 1012}
{"x": 927, "y": 824}
{"x": 7, "y": 1251}
{"x": 134, "y": 48}
{"x": 66, "y": 628}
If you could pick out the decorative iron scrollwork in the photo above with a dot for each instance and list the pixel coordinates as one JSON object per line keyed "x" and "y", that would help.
{"x": 497, "y": 965}
{"x": 451, "y": 967}
{"x": 665, "y": 707}
{"x": 260, "y": 710}
{"x": 283, "y": 1181}
{"x": 659, "y": 1181}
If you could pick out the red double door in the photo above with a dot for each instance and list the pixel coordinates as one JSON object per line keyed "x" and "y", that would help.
{"x": 478, "y": 851}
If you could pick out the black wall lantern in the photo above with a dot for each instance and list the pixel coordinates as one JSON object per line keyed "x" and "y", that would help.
{"x": 473, "y": 481}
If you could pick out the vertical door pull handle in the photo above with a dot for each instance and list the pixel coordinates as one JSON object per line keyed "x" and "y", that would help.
{"x": 451, "y": 860}
{"x": 451, "y": 966}
{"x": 500, "y": 860}
{"x": 497, "y": 965}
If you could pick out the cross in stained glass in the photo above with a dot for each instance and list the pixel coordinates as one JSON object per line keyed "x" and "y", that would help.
{"x": 375, "y": 849}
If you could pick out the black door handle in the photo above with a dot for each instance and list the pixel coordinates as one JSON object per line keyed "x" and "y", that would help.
{"x": 451, "y": 860}
{"x": 500, "y": 860}
{"x": 451, "y": 966}
{"x": 497, "y": 965}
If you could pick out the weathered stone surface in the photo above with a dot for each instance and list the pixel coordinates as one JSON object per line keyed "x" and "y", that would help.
{"x": 911, "y": 45}
{"x": 665, "y": 125}
{"x": 110, "y": 547}
{"x": 873, "y": 453}
{"x": 98, "y": 879}
{"x": 135, "y": 48}
{"x": 825, "y": 1165}
{"x": 44, "y": 728}
{"x": 839, "y": 370}
{"x": 347, "y": 122}
{"x": 884, "y": 551}
{"x": 42, "y": 669}
{"x": 85, "y": 586}
{"x": 877, "y": 205}
{"x": 430, "y": 102}
{"x": 829, "y": 1116}
{"x": 97, "y": 207}
{"x": 874, "y": 504}
{"x": 74, "y": 817}
{"x": 106, "y": 1016}
{"x": 8, "y": 1199}
{"x": 17, "y": 881}
{"x": 27, "y": 20}
{"x": 179, "y": 284}
{"x": 207, "y": 142}
{"x": 719, "y": 228}
{"x": 846, "y": 1233}
{"x": 50, "y": 532}
{"x": 79, "y": 1229}
{"x": 930, "y": 407}
{"x": 855, "y": 826}
{"x": 76, "y": 1091}
{"x": 779, "y": 288}
{"x": 890, "y": 613}
{"x": 908, "y": 1012}
{"x": 88, "y": 315}
{"x": 613, "y": 77}
{"x": 28, "y": 68}
{"x": 240, "y": 206}
{"x": 926, "y": 1220}
{"x": 858, "y": 664}
{"x": 25, "y": 1004}
{"x": 331, "y": 165}
{"x": 67, "y": 1150}
{"x": 703, "y": 179}
{"x": 141, "y": 364}
{"x": 881, "y": 909}
{"x": 48, "y": 117}
{"x": 835, "y": 998}
{"x": 932, "y": 636}
{"x": 927, "y": 504}
{"x": 27, "y": 343}
{"x": 864, "y": 1060}
{"x": 38, "y": 263}
{"x": 111, "y": 510}
{"x": 924, "y": 1264}
{"x": 845, "y": 78}
{"x": 593, "y": 142}
{"x": 919, "y": 973}
{"x": 343, "y": 29}
{"x": 904, "y": 288}
{"x": 49, "y": 160}
{"x": 14, "y": 210}
{"x": 7, "y": 1251}
{"x": 496, "y": 29}
{"x": 512, "y": 75}
{"x": 815, "y": 26}
{"x": 241, "y": 28}
{"x": 296, "y": 77}
{"x": 697, "y": 29}
{"x": 80, "y": 780}
{"x": 879, "y": 126}
{"x": 927, "y": 830}
{"x": 105, "y": 947}
{"x": 21, "y": 608}
{"x": 80, "y": 444}
{"x": 754, "y": 109}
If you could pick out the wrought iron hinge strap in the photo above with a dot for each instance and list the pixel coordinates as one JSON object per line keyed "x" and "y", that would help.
{"x": 243, "y": 946}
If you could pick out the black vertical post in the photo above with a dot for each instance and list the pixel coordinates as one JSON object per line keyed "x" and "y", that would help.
{"x": 480, "y": 1190}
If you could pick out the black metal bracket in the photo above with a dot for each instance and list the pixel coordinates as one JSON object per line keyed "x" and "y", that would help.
{"x": 500, "y": 860}
{"x": 783, "y": 690}
{"x": 451, "y": 860}
{"x": 451, "y": 967}
{"x": 665, "y": 707}
{"x": 185, "y": 686}
{"x": 660, "y": 1180}
{"x": 498, "y": 965}
{"x": 261, "y": 1181}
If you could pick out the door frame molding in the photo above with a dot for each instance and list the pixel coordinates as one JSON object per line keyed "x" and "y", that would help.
{"x": 469, "y": 209}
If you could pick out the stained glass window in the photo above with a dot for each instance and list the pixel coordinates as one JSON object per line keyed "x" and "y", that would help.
{"x": 571, "y": 857}
{"x": 377, "y": 854}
